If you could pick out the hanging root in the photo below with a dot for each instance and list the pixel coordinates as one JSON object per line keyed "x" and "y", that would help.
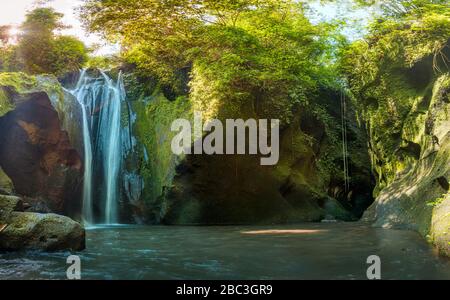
{"x": 344, "y": 140}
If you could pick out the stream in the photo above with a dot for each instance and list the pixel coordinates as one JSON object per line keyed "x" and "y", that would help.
{"x": 303, "y": 251}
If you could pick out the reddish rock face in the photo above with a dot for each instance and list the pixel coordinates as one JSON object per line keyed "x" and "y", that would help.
{"x": 37, "y": 155}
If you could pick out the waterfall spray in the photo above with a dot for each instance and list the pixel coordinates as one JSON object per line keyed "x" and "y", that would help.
{"x": 87, "y": 210}
{"x": 112, "y": 146}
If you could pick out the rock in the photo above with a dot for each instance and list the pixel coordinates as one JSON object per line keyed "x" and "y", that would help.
{"x": 8, "y": 205}
{"x": 440, "y": 226}
{"x": 336, "y": 210}
{"x": 35, "y": 151}
{"x": 48, "y": 232}
{"x": 71, "y": 120}
{"x": 231, "y": 189}
{"x": 6, "y": 105}
{"x": 6, "y": 185}
{"x": 133, "y": 187}
{"x": 36, "y": 205}
{"x": 410, "y": 150}
{"x": 25, "y": 230}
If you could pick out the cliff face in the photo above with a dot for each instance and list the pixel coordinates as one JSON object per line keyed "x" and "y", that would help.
{"x": 413, "y": 175}
{"x": 36, "y": 152}
{"x": 306, "y": 184}
{"x": 400, "y": 78}
{"x": 406, "y": 110}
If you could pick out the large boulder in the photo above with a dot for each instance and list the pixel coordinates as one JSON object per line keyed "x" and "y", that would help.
{"x": 36, "y": 151}
{"x": 49, "y": 232}
{"x": 26, "y": 230}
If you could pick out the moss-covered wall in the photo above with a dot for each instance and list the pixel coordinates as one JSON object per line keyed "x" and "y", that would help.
{"x": 409, "y": 130}
{"x": 224, "y": 189}
{"x": 152, "y": 159}
{"x": 5, "y": 104}
{"x": 36, "y": 151}
{"x": 400, "y": 76}
{"x": 154, "y": 119}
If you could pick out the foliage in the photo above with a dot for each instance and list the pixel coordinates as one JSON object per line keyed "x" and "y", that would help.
{"x": 4, "y": 34}
{"x": 401, "y": 8}
{"x": 243, "y": 53}
{"x": 35, "y": 46}
{"x": 397, "y": 42}
{"x": 391, "y": 74}
{"x": 103, "y": 62}
{"x": 40, "y": 49}
{"x": 69, "y": 54}
{"x": 437, "y": 201}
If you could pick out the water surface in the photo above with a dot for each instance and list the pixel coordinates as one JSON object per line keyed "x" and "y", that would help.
{"x": 305, "y": 251}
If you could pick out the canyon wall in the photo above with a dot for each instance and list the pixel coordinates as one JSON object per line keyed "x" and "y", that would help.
{"x": 36, "y": 150}
{"x": 406, "y": 110}
{"x": 306, "y": 184}
{"x": 40, "y": 171}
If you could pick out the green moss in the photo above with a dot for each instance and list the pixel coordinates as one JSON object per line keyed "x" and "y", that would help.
{"x": 154, "y": 118}
{"x": 6, "y": 184}
{"x": 21, "y": 83}
{"x": 440, "y": 225}
{"x": 5, "y": 103}
{"x": 410, "y": 151}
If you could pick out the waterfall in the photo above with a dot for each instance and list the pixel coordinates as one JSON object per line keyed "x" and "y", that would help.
{"x": 101, "y": 100}
{"x": 110, "y": 115}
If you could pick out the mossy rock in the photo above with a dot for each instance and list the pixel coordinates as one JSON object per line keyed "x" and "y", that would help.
{"x": 337, "y": 211}
{"x": 35, "y": 150}
{"x": 6, "y": 185}
{"x": 8, "y": 205}
{"x": 21, "y": 83}
{"x": 48, "y": 232}
{"x": 15, "y": 85}
{"x": 440, "y": 225}
{"x": 6, "y": 105}
{"x": 413, "y": 165}
{"x": 227, "y": 189}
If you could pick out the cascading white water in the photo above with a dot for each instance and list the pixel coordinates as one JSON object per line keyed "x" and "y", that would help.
{"x": 110, "y": 115}
{"x": 100, "y": 99}
{"x": 80, "y": 95}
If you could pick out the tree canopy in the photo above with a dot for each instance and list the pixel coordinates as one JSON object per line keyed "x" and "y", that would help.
{"x": 243, "y": 51}
{"x": 398, "y": 41}
{"x": 40, "y": 49}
